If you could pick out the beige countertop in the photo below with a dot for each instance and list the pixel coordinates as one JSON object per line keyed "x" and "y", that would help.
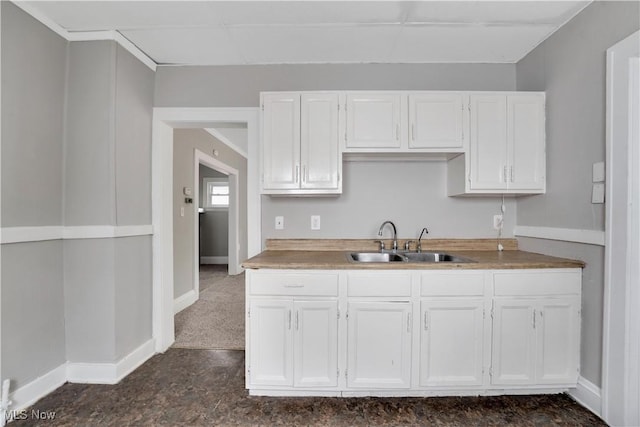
{"x": 339, "y": 260}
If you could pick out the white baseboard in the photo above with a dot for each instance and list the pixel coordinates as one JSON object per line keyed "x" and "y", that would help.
{"x": 214, "y": 260}
{"x": 110, "y": 373}
{"x": 30, "y": 393}
{"x": 589, "y": 237}
{"x": 588, "y": 395}
{"x": 184, "y": 301}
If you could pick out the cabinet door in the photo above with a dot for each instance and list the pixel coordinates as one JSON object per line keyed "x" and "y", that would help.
{"x": 558, "y": 340}
{"x": 379, "y": 345}
{"x": 488, "y": 142}
{"x": 319, "y": 141}
{"x": 270, "y": 361}
{"x": 513, "y": 353}
{"x": 281, "y": 140}
{"x": 315, "y": 347}
{"x": 526, "y": 142}
{"x": 373, "y": 120}
{"x": 436, "y": 121}
{"x": 452, "y": 342}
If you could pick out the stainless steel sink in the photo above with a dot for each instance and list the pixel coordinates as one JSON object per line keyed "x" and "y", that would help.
{"x": 425, "y": 257}
{"x": 434, "y": 257}
{"x": 376, "y": 257}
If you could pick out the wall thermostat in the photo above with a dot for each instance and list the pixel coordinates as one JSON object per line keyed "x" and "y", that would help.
{"x": 187, "y": 191}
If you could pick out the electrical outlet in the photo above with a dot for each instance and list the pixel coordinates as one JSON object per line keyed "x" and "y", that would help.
{"x": 315, "y": 222}
{"x": 279, "y": 223}
{"x": 497, "y": 222}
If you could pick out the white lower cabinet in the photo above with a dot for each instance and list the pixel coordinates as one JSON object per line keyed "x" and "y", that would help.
{"x": 536, "y": 329}
{"x": 379, "y": 345}
{"x": 535, "y": 341}
{"x": 452, "y": 342}
{"x": 293, "y": 343}
{"x": 415, "y": 332}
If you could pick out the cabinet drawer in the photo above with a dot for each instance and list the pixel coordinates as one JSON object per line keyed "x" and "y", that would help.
{"x": 536, "y": 283}
{"x": 453, "y": 284}
{"x": 308, "y": 284}
{"x": 379, "y": 284}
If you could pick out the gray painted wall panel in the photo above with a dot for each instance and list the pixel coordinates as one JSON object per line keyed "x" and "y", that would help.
{"x": 132, "y": 293}
{"x": 89, "y": 180}
{"x": 89, "y": 300}
{"x": 185, "y": 141}
{"x": 134, "y": 108}
{"x": 33, "y": 85}
{"x": 570, "y": 66}
{"x": 239, "y": 86}
{"x": 411, "y": 194}
{"x": 33, "y": 323}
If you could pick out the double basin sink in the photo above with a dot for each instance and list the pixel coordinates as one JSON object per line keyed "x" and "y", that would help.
{"x": 421, "y": 257}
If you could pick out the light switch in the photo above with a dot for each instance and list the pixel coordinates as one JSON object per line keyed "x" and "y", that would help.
{"x": 597, "y": 193}
{"x": 279, "y": 222}
{"x": 315, "y": 222}
{"x": 598, "y": 172}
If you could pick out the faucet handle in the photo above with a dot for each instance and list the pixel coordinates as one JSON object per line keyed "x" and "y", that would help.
{"x": 407, "y": 245}
{"x": 381, "y": 244}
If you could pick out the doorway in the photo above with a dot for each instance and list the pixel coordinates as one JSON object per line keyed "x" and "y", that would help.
{"x": 164, "y": 122}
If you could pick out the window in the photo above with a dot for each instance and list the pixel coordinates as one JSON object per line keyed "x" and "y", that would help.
{"x": 216, "y": 193}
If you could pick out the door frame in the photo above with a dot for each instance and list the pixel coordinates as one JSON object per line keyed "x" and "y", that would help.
{"x": 201, "y": 158}
{"x": 621, "y": 334}
{"x": 164, "y": 121}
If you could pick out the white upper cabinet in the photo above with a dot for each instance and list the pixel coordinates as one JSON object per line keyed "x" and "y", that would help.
{"x": 437, "y": 120}
{"x": 300, "y": 145}
{"x": 281, "y": 140}
{"x": 506, "y": 146}
{"x": 373, "y": 120}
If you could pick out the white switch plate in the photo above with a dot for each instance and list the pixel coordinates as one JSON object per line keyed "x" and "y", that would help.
{"x": 279, "y": 222}
{"x": 181, "y": 210}
{"x": 598, "y": 172}
{"x": 597, "y": 193}
{"x": 315, "y": 222}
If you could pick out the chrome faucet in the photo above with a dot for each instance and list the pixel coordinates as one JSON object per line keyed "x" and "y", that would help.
{"x": 424, "y": 230}
{"x": 395, "y": 234}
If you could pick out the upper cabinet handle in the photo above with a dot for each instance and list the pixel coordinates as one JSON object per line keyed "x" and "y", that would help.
{"x": 397, "y": 131}
{"x": 297, "y": 173}
{"x": 413, "y": 132}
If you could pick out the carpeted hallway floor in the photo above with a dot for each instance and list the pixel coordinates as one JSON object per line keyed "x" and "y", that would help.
{"x": 216, "y": 320}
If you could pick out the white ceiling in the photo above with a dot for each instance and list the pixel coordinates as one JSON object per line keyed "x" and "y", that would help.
{"x": 294, "y": 32}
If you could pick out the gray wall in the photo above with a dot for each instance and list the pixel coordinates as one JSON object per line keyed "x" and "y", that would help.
{"x": 108, "y": 182}
{"x": 184, "y": 144}
{"x": 411, "y": 194}
{"x": 214, "y": 223}
{"x": 570, "y": 66}
{"x": 239, "y": 86}
{"x": 33, "y": 81}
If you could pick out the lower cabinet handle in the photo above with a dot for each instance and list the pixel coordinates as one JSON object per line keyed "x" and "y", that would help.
{"x": 294, "y": 286}
{"x": 289, "y": 319}
{"x": 409, "y": 322}
{"x": 297, "y": 173}
{"x": 534, "y": 319}
{"x": 297, "y": 320}
{"x": 511, "y": 173}
{"x": 426, "y": 321}
{"x": 504, "y": 173}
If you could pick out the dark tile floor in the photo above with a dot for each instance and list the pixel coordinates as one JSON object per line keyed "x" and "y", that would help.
{"x": 206, "y": 388}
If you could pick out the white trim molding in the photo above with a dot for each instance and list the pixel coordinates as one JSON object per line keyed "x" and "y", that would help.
{"x": 184, "y": 301}
{"x": 589, "y": 237}
{"x": 39, "y": 234}
{"x": 110, "y": 373}
{"x": 588, "y": 395}
{"x": 77, "y": 36}
{"x": 30, "y": 393}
